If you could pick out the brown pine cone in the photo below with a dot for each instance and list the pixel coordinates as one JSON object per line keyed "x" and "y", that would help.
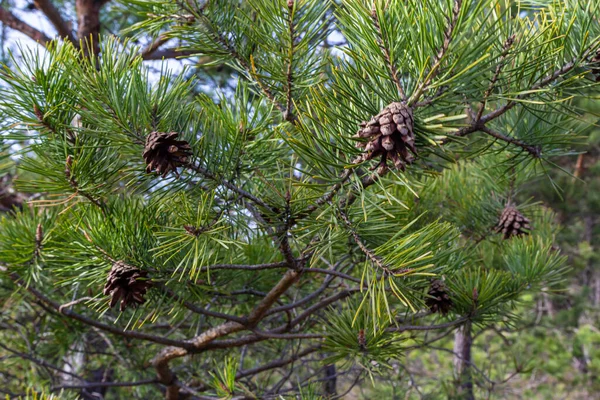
{"x": 512, "y": 223}
{"x": 127, "y": 283}
{"x": 438, "y": 299}
{"x": 163, "y": 153}
{"x": 391, "y": 136}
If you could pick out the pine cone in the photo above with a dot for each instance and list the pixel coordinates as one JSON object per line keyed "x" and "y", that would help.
{"x": 126, "y": 283}
{"x": 390, "y": 135}
{"x": 596, "y": 68}
{"x": 164, "y": 153}
{"x": 438, "y": 300}
{"x": 512, "y": 223}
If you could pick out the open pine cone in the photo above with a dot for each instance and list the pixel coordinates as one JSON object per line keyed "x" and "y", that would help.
{"x": 164, "y": 153}
{"x": 438, "y": 301}
{"x": 512, "y": 223}
{"x": 127, "y": 283}
{"x": 391, "y": 136}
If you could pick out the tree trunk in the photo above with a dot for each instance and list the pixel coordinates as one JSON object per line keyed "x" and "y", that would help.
{"x": 462, "y": 362}
{"x": 330, "y": 381}
{"x": 88, "y": 28}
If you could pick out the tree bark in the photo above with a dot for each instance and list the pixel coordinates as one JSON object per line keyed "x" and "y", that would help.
{"x": 88, "y": 28}
{"x": 463, "y": 342}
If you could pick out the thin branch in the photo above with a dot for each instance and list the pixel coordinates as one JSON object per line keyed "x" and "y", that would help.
{"x": 477, "y": 125}
{"x": 91, "y": 385}
{"x": 533, "y": 150}
{"x": 437, "y": 60}
{"x": 427, "y": 327}
{"x": 198, "y": 343}
{"x": 61, "y": 26}
{"x": 505, "y": 49}
{"x": 204, "y": 172}
{"x": 168, "y": 53}
{"x": 10, "y": 20}
{"x": 541, "y": 84}
{"x": 332, "y": 272}
{"x": 92, "y": 322}
{"x": 386, "y": 54}
{"x": 277, "y": 363}
{"x": 254, "y": 267}
{"x": 152, "y": 47}
{"x": 37, "y": 361}
{"x": 287, "y": 336}
{"x": 363, "y": 247}
{"x": 327, "y": 196}
{"x": 196, "y": 309}
{"x": 288, "y": 114}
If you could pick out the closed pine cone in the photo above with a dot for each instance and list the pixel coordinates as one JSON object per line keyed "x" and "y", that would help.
{"x": 391, "y": 136}
{"x": 127, "y": 283}
{"x": 163, "y": 153}
{"x": 512, "y": 223}
{"x": 439, "y": 300}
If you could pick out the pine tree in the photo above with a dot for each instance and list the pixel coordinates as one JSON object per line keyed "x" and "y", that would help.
{"x": 323, "y": 213}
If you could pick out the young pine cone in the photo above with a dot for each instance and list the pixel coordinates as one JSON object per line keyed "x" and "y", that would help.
{"x": 127, "y": 283}
{"x": 391, "y": 136}
{"x": 438, "y": 301}
{"x": 512, "y": 223}
{"x": 164, "y": 153}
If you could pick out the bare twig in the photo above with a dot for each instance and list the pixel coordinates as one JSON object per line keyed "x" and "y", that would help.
{"x": 10, "y": 20}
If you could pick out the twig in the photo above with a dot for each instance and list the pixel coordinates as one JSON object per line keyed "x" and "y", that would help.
{"x": 72, "y": 303}
{"x": 91, "y": 385}
{"x": 386, "y": 54}
{"x": 288, "y": 114}
{"x": 535, "y": 151}
{"x": 10, "y": 20}
{"x": 437, "y": 60}
{"x": 505, "y": 49}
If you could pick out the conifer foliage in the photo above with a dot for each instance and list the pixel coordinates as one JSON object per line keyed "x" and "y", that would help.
{"x": 274, "y": 242}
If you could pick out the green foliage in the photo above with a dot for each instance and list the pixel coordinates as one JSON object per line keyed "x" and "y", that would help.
{"x": 275, "y": 218}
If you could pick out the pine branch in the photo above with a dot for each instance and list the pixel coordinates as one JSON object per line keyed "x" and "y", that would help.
{"x": 10, "y": 20}
{"x": 196, "y": 309}
{"x": 479, "y": 125}
{"x": 40, "y": 362}
{"x": 248, "y": 66}
{"x": 254, "y": 267}
{"x": 437, "y": 60}
{"x": 204, "y": 172}
{"x": 386, "y": 54}
{"x": 540, "y": 85}
{"x": 161, "y": 361}
{"x": 90, "y": 321}
{"x": 92, "y": 385}
{"x": 148, "y": 51}
{"x": 52, "y": 13}
{"x": 427, "y": 327}
{"x": 505, "y": 49}
{"x": 168, "y": 53}
{"x": 363, "y": 247}
{"x": 288, "y": 115}
{"x": 535, "y": 151}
